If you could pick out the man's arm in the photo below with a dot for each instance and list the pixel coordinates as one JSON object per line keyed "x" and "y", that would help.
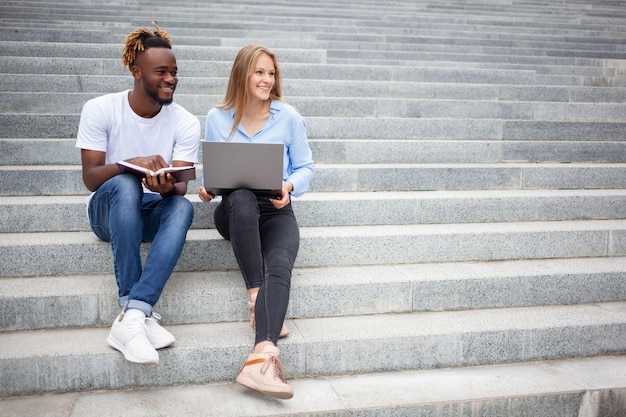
{"x": 95, "y": 172}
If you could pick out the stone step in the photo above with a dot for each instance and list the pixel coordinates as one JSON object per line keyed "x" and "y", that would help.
{"x": 345, "y": 18}
{"x": 374, "y": 151}
{"x": 69, "y": 103}
{"x": 562, "y": 387}
{"x": 193, "y": 68}
{"x": 503, "y": 263}
{"x": 446, "y": 34}
{"x": 66, "y": 301}
{"x": 28, "y": 83}
{"x": 316, "y": 209}
{"x": 113, "y": 51}
{"x": 426, "y": 32}
{"x": 297, "y": 50}
{"x": 33, "y": 180}
{"x": 513, "y": 42}
{"x": 79, "y": 359}
{"x": 444, "y": 68}
{"x": 348, "y": 19}
{"x": 382, "y": 128}
{"x": 82, "y": 253}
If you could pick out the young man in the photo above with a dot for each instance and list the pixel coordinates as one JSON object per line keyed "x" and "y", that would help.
{"x": 142, "y": 126}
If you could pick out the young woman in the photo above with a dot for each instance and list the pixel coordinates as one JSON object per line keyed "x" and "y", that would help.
{"x": 263, "y": 231}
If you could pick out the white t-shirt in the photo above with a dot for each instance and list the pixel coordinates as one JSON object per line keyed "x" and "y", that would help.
{"x": 108, "y": 124}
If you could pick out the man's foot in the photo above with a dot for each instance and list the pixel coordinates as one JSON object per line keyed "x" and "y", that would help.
{"x": 263, "y": 372}
{"x": 129, "y": 336}
{"x": 158, "y": 336}
{"x": 284, "y": 331}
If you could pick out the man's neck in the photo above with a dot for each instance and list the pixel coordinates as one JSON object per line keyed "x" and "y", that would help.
{"x": 143, "y": 106}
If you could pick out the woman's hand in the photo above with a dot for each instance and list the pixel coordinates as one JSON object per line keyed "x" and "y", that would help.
{"x": 284, "y": 196}
{"x": 205, "y": 195}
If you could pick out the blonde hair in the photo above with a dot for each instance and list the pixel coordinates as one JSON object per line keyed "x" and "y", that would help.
{"x": 141, "y": 39}
{"x": 237, "y": 95}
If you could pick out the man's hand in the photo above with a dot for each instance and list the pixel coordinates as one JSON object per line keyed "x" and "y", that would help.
{"x": 153, "y": 163}
{"x": 163, "y": 184}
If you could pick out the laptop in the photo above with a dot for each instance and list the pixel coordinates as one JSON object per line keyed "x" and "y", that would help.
{"x": 228, "y": 166}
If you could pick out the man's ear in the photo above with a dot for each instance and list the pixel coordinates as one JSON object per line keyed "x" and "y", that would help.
{"x": 136, "y": 71}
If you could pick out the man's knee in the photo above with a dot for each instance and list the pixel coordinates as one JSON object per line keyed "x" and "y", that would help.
{"x": 124, "y": 186}
{"x": 181, "y": 208}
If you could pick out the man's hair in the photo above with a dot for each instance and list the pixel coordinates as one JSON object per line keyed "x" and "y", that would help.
{"x": 141, "y": 39}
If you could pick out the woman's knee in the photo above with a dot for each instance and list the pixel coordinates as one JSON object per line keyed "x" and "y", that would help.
{"x": 242, "y": 196}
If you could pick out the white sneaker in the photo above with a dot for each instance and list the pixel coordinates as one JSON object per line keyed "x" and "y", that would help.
{"x": 130, "y": 336}
{"x": 158, "y": 336}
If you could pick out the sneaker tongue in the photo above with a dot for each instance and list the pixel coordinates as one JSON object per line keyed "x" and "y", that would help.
{"x": 271, "y": 350}
{"x": 133, "y": 313}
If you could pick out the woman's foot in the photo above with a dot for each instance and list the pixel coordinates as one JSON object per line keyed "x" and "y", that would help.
{"x": 284, "y": 331}
{"x": 263, "y": 372}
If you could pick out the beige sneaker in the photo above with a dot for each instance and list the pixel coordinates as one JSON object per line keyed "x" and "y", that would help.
{"x": 284, "y": 331}
{"x": 264, "y": 372}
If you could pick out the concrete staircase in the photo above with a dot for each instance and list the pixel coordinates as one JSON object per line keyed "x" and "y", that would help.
{"x": 463, "y": 245}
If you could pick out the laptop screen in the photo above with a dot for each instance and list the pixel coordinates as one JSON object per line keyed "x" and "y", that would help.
{"x": 228, "y": 166}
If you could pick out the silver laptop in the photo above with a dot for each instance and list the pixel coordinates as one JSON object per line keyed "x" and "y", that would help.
{"x": 228, "y": 166}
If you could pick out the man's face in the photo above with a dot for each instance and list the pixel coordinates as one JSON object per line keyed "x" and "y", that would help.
{"x": 158, "y": 74}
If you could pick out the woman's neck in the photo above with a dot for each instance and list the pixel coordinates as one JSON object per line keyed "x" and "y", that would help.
{"x": 256, "y": 109}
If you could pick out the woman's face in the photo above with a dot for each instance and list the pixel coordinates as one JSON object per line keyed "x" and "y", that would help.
{"x": 262, "y": 79}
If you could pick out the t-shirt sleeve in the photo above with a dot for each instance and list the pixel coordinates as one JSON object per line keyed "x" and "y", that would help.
{"x": 93, "y": 128}
{"x": 187, "y": 138}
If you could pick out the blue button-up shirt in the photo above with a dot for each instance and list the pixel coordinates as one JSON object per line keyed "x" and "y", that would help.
{"x": 284, "y": 125}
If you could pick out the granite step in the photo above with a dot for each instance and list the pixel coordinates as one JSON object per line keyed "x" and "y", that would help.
{"x": 46, "y": 83}
{"x": 200, "y": 103}
{"x": 68, "y": 301}
{"x": 78, "y": 359}
{"x": 297, "y": 50}
{"x": 562, "y": 387}
{"x": 67, "y": 213}
{"x": 195, "y": 68}
{"x": 373, "y": 151}
{"x": 441, "y": 301}
{"x": 42, "y": 180}
{"x": 380, "y": 128}
{"x": 82, "y": 253}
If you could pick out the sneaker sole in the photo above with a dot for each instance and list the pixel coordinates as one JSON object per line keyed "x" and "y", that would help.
{"x": 117, "y": 345}
{"x": 281, "y": 395}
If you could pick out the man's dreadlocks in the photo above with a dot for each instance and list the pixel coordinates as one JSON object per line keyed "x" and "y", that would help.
{"x": 141, "y": 39}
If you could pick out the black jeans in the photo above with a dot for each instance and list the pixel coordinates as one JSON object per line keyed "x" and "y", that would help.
{"x": 265, "y": 241}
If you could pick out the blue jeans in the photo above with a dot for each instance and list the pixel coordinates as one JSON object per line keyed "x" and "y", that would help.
{"x": 265, "y": 241}
{"x": 120, "y": 213}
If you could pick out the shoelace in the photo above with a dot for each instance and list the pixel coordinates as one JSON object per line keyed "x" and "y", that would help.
{"x": 279, "y": 371}
{"x": 136, "y": 326}
{"x": 154, "y": 317}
